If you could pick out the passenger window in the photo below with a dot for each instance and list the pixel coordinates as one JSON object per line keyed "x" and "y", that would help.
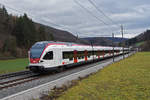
{"x": 68, "y": 55}
{"x": 48, "y": 56}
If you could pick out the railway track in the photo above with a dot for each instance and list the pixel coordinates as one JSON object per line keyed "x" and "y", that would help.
{"x": 17, "y": 81}
{"x": 27, "y": 90}
{"x": 15, "y": 74}
{"x": 21, "y": 78}
{"x": 8, "y": 86}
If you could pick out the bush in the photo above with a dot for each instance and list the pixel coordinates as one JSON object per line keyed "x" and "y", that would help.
{"x": 10, "y": 46}
{"x": 146, "y": 46}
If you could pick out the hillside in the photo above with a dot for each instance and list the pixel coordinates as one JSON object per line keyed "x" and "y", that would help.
{"x": 104, "y": 41}
{"x": 141, "y": 41}
{"x": 18, "y": 34}
{"x": 60, "y": 35}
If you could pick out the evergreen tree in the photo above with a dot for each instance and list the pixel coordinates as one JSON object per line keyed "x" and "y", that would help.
{"x": 18, "y": 32}
{"x": 51, "y": 37}
{"x": 10, "y": 46}
{"x": 25, "y": 32}
{"x": 41, "y": 34}
{"x": 4, "y": 11}
{"x": 29, "y": 31}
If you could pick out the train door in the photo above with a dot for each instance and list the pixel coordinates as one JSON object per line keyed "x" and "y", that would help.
{"x": 103, "y": 53}
{"x": 86, "y": 54}
{"x": 98, "y": 54}
{"x": 75, "y": 56}
{"x": 48, "y": 59}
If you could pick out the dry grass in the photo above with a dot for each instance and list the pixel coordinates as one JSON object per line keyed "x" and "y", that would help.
{"x": 126, "y": 80}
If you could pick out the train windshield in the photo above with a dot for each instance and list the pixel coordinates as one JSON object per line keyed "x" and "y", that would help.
{"x": 36, "y": 50}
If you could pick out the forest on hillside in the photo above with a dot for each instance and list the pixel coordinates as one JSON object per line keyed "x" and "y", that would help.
{"x": 143, "y": 39}
{"x": 17, "y": 34}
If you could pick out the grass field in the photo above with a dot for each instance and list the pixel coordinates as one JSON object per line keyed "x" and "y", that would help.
{"x": 7, "y": 66}
{"x": 125, "y": 80}
{"x": 139, "y": 44}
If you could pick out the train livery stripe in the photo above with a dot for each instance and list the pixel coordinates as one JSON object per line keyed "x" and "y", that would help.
{"x": 44, "y": 50}
{"x": 49, "y": 45}
{"x": 36, "y": 60}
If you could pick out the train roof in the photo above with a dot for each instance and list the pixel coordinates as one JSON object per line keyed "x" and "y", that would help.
{"x": 63, "y": 43}
{"x": 43, "y": 44}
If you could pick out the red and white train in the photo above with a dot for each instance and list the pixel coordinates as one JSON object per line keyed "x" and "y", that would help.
{"x": 49, "y": 55}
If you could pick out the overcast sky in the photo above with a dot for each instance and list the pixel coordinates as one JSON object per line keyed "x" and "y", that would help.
{"x": 68, "y": 15}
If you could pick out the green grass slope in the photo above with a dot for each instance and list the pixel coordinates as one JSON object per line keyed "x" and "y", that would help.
{"x": 139, "y": 44}
{"x": 125, "y": 80}
{"x": 7, "y": 66}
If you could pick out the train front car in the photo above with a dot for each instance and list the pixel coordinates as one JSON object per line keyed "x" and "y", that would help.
{"x": 35, "y": 54}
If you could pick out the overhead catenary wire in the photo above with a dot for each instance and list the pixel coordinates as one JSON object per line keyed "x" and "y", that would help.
{"x": 100, "y": 20}
{"x": 100, "y": 11}
{"x": 60, "y": 26}
{"x": 97, "y": 35}
{"x": 11, "y": 8}
{"x": 50, "y": 22}
{"x": 90, "y": 12}
{"x": 20, "y": 12}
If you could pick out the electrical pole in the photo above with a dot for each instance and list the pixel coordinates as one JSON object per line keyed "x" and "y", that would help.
{"x": 1, "y": 6}
{"x": 122, "y": 41}
{"x": 128, "y": 47}
{"x": 92, "y": 49}
{"x": 113, "y": 46}
{"x": 77, "y": 37}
